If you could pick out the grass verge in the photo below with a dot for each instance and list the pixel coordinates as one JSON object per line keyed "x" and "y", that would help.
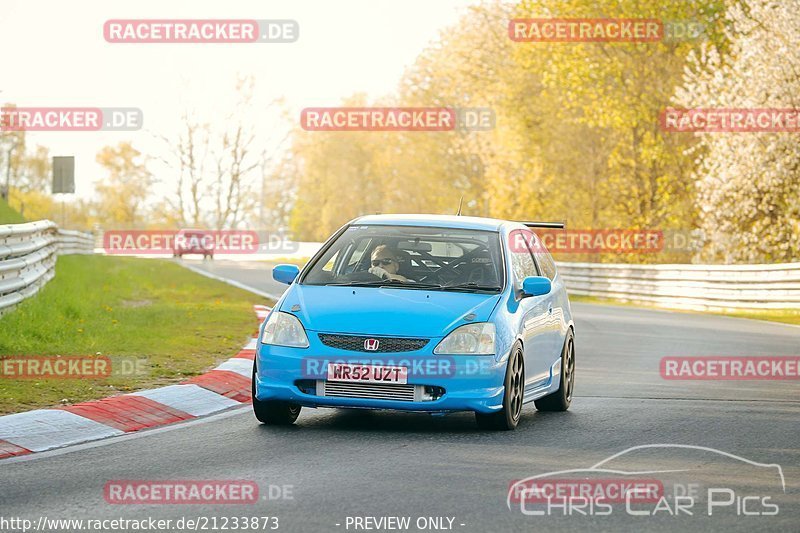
{"x": 787, "y": 316}
{"x": 180, "y": 322}
{"x": 8, "y": 215}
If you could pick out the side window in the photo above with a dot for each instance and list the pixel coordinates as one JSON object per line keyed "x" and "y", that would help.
{"x": 545, "y": 260}
{"x": 522, "y": 264}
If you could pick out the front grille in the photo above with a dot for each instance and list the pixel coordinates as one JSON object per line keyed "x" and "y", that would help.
{"x": 373, "y": 391}
{"x": 355, "y": 343}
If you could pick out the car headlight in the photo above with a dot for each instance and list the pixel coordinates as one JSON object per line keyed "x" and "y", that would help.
{"x": 470, "y": 339}
{"x": 283, "y": 329}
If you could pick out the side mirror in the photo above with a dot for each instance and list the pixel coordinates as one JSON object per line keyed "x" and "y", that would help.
{"x": 285, "y": 273}
{"x": 536, "y": 286}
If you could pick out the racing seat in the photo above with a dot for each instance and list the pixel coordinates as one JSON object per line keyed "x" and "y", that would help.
{"x": 404, "y": 259}
{"x": 481, "y": 269}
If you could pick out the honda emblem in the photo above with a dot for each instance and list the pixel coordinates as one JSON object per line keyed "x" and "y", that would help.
{"x": 371, "y": 345}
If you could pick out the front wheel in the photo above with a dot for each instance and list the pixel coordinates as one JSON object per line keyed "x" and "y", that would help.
{"x": 273, "y": 412}
{"x": 514, "y": 388}
{"x": 562, "y": 398}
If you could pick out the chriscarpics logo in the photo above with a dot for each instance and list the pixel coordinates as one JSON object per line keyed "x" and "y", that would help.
{"x": 655, "y": 480}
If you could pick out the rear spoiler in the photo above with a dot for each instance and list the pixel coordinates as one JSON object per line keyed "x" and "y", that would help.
{"x": 549, "y": 225}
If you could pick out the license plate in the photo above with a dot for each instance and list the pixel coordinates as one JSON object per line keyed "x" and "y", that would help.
{"x": 367, "y": 373}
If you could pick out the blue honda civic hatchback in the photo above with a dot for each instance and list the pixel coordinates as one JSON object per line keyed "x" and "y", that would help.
{"x": 423, "y": 313}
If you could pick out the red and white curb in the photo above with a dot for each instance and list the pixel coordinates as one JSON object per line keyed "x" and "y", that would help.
{"x": 226, "y": 386}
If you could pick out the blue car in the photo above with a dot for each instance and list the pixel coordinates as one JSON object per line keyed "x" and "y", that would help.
{"x": 421, "y": 313}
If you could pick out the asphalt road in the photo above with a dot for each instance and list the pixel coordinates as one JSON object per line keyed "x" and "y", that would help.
{"x": 342, "y": 464}
{"x": 255, "y": 274}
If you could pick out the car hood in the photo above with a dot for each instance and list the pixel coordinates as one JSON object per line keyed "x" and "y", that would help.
{"x": 385, "y": 311}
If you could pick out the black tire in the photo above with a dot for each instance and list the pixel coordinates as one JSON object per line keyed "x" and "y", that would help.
{"x": 562, "y": 398}
{"x": 508, "y": 417}
{"x": 274, "y": 413}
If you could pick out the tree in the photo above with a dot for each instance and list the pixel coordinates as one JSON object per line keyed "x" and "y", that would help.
{"x": 220, "y": 166}
{"x": 123, "y": 194}
{"x": 590, "y": 112}
{"x": 749, "y": 183}
{"x": 577, "y": 135}
{"x": 278, "y": 193}
{"x": 341, "y": 175}
{"x": 35, "y": 171}
{"x": 12, "y": 148}
{"x": 237, "y": 162}
{"x": 189, "y": 153}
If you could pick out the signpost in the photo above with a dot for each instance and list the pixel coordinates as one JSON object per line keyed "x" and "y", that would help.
{"x": 63, "y": 178}
{"x": 63, "y": 174}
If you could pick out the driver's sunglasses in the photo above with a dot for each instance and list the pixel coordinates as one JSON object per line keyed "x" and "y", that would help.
{"x": 384, "y": 262}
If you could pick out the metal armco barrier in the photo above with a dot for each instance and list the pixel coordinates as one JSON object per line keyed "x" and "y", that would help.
{"x": 28, "y": 256}
{"x": 696, "y": 287}
{"x": 75, "y": 242}
{"x": 699, "y": 287}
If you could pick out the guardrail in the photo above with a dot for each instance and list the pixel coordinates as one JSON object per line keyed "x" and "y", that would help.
{"x": 75, "y": 242}
{"x": 28, "y": 252}
{"x": 698, "y": 287}
{"x": 695, "y": 287}
{"x": 28, "y": 255}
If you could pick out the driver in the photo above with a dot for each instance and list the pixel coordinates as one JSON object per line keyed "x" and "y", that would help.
{"x": 385, "y": 264}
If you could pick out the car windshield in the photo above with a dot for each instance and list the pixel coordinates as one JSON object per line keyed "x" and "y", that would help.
{"x": 411, "y": 257}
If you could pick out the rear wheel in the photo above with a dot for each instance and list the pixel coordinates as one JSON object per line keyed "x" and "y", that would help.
{"x": 273, "y": 412}
{"x": 508, "y": 417}
{"x": 562, "y": 398}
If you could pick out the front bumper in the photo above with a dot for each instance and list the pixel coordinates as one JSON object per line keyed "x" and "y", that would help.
{"x": 470, "y": 383}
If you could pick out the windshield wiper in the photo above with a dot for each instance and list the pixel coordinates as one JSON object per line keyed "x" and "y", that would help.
{"x": 411, "y": 285}
{"x": 376, "y": 283}
{"x": 387, "y": 282}
{"x": 471, "y": 286}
